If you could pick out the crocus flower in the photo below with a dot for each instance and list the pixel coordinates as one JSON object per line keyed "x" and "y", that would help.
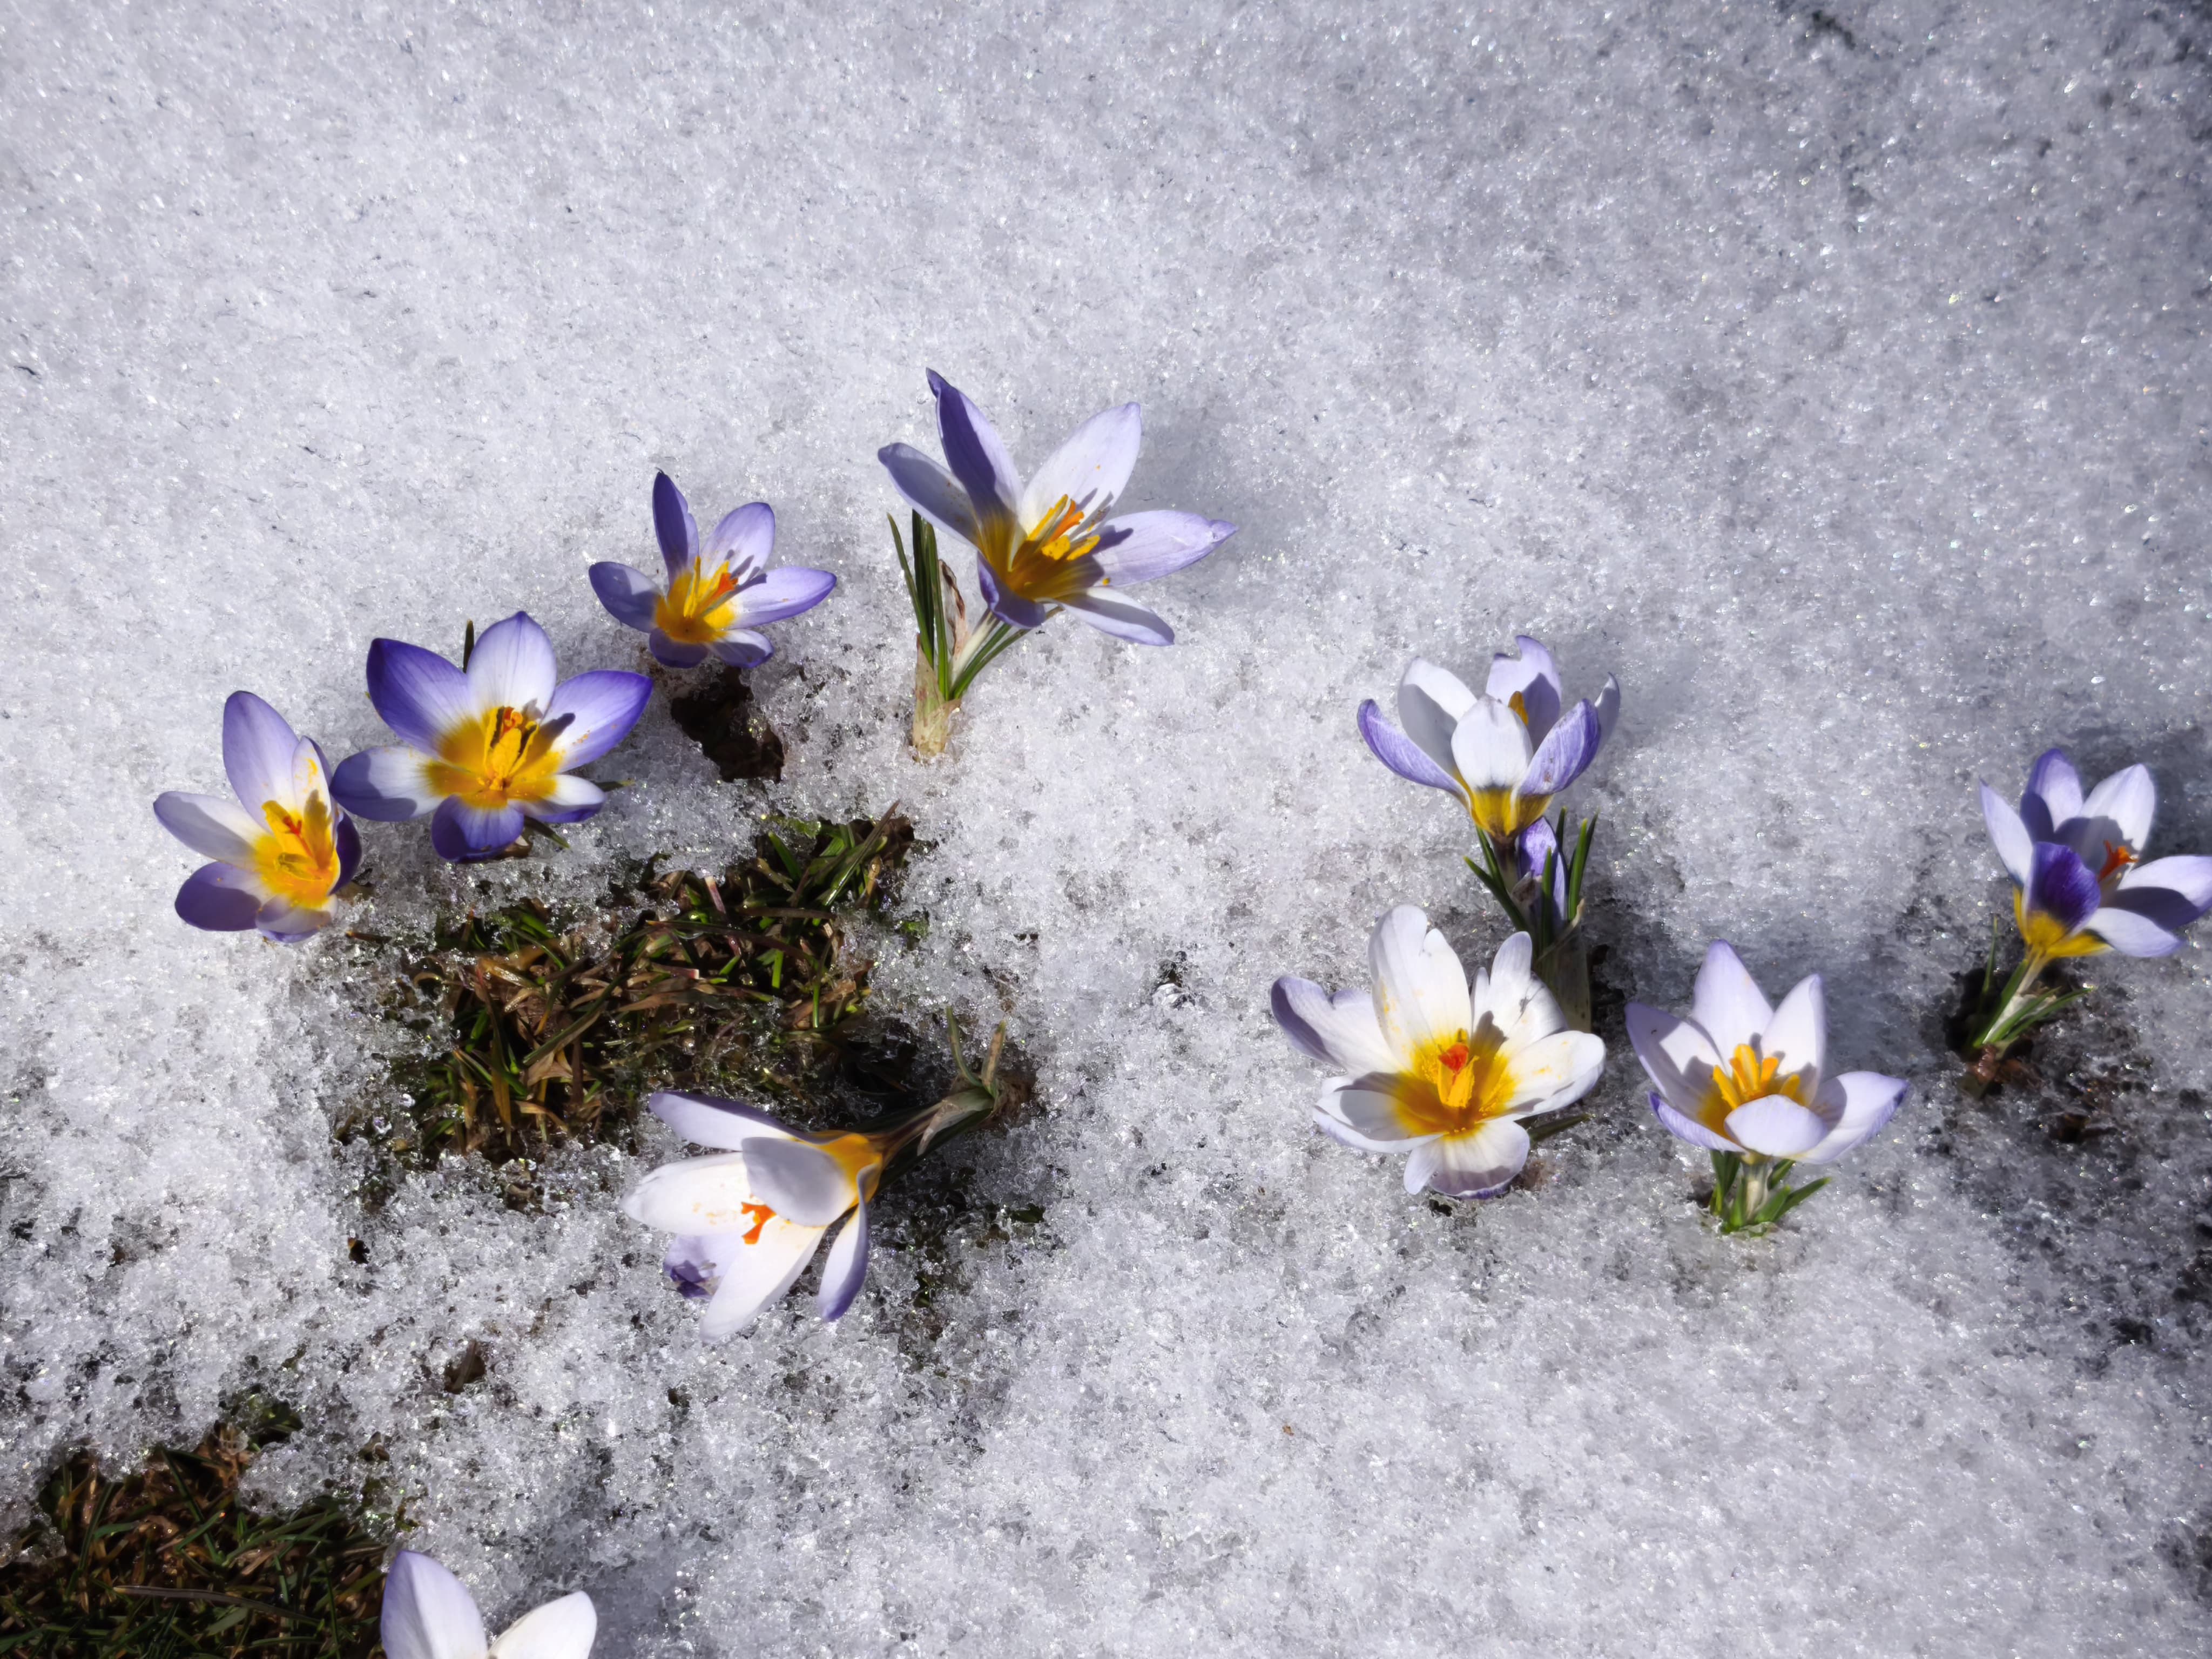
{"x": 482, "y": 749}
{"x": 430, "y": 1615}
{"x": 1741, "y": 1077}
{"x": 1433, "y": 1069}
{"x": 1505, "y": 753}
{"x": 1048, "y": 542}
{"x": 718, "y": 596}
{"x": 282, "y": 851}
{"x": 2080, "y": 884}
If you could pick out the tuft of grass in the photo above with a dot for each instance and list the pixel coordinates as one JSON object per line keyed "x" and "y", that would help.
{"x": 552, "y": 1029}
{"x": 170, "y": 1564}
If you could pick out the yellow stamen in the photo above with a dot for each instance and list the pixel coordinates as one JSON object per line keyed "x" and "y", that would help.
{"x": 698, "y": 609}
{"x": 506, "y": 757}
{"x": 1046, "y": 564}
{"x": 298, "y": 859}
{"x": 1456, "y": 1084}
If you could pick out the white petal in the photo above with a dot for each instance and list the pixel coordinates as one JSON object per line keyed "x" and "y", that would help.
{"x": 710, "y": 1120}
{"x": 1677, "y": 1055}
{"x": 559, "y": 1629}
{"x": 1343, "y": 1026}
{"x": 1854, "y": 1106}
{"x": 2009, "y": 835}
{"x": 1092, "y": 468}
{"x": 211, "y": 826}
{"x": 1555, "y": 1070}
{"x": 799, "y": 1181}
{"x": 698, "y": 1195}
{"x": 512, "y": 666}
{"x": 427, "y": 1613}
{"x": 2127, "y": 800}
{"x": 759, "y": 1274}
{"x": 1797, "y": 1035}
{"x": 1727, "y": 1003}
{"x": 1431, "y": 702}
{"x": 1519, "y": 1004}
{"x": 1421, "y": 990}
{"x": 1476, "y": 1165}
{"x": 1776, "y": 1126}
{"x": 1490, "y": 747}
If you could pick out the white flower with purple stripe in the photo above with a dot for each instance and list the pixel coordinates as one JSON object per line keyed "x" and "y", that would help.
{"x": 1505, "y": 753}
{"x": 718, "y": 594}
{"x": 2080, "y": 884}
{"x": 1435, "y": 1068}
{"x": 1048, "y": 542}
{"x": 486, "y": 749}
{"x": 282, "y": 851}
{"x": 1741, "y": 1077}
{"x": 430, "y": 1615}
{"x": 751, "y": 1217}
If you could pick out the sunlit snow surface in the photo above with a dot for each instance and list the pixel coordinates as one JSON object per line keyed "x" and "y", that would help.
{"x": 1837, "y": 378}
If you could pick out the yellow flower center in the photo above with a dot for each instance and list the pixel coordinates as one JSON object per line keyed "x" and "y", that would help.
{"x": 698, "y": 608}
{"x": 298, "y": 860}
{"x": 1455, "y": 1086}
{"x": 1503, "y": 813}
{"x": 1044, "y": 565}
{"x": 2046, "y": 937}
{"x": 1748, "y": 1076}
{"x": 504, "y": 758}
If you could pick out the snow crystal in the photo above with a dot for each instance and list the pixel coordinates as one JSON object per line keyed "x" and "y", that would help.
{"x": 1836, "y": 377}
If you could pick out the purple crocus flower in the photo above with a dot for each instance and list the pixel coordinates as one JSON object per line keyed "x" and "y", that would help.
{"x": 718, "y": 596}
{"x": 483, "y": 749}
{"x": 281, "y": 852}
{"x": 2080, "y": 884}
{"x": 1505, "y": 753}
{"x": 430, "y": 1615}
{"x": 1049, "y": 543}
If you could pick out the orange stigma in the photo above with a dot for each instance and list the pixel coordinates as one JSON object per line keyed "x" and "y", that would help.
{"x": 2117, "y": 859}
{"x": 762, "y": 1216}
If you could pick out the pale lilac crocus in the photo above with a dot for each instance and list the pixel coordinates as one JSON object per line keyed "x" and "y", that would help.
{"x": 1434, "y": 1068}
{"x": 282, "y": 851}
{"x": 485, "y": 749}
{"x": 717, "y": 594}
{"x": 430, "y": 1615}
{"x": 1048, "y": 543}
{"x": 1505, "y": 752}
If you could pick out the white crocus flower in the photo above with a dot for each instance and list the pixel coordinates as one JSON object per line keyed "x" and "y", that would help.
{"x": 430, "y": 1615}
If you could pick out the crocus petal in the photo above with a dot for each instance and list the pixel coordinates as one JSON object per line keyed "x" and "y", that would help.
{"x": 2060, "y": 886}
{"x": 757, "y": 1275}
{"x": 1340, "y": 1031}
{"x": 1564, "y": 754}
{"x": 673, "y": 525}
{"x": 1119, "y": 617}
{"x": 1798, "y": 1033}
{"x": 1091, "y": 468}
{"x": 629, "y": 595}
{"x": 1478, "y": 1165}
{"x": 931, "y": 491}
{"x": 559, "y": 1629}
{"x": 784, "y": 591}
{"x": 743, "y": 648}
{"x": 1399, "y": 752}
{"x": 427, "y": 1613}
{"x": 1420, "y": 989}
{"x": 569, "y": 799}
{"x": 975, "y": 454}
{"x": 1855, "y": 1107}
{"x": 1142, "y": 546}
{"x": 1727, "y": 1003}
{"x": 711, "y": 1120}
{"x": 846, "y": 1267}
{"x": 1775, "y": 1126}
{"x": 417, "y": 692}
{"x": 1330, "y": 1121}
{"x": 220, "y": 899}
{"x": 2015, "y": 848}
{"x": 288, "y": 923}
{"x": 745, "y": 538}
{"x": 1675, "y": 1053}
{"x": 1688, "y": 1129}
{"x": 1368, "y": 1106}
{"x": 697, "y": 1194}
{"x": 512, "y": 666}
{"x": 1608, "y": 706}
{"x": 2127, "y": 800}
{"x": 1431, "y": 702}
{"x": 2132, "y": 933}
{"x": 211, "y": 826}
{"x": 259, "y": 747}
{"x": 345, "y": 840}
{"x": 2053, "y": 794}
{"x": 800, "y": 1182}
{"x": 1555, "y": 1070}
{"x": 675, "y": 654}
{"x": 388, "y": 786}
{"x": 2172, "y": 892}
{"x": 1490, "y": 747}
{"x": 1008, "y": 607}
{"x": 1535, "y": 677}
{"x": 600, "y": 707}
{"x": 460, "y": 833}
{"x": 1514, "y": 998}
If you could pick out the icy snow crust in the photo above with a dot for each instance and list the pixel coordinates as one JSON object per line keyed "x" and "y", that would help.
{"x": 1837, "y": 378}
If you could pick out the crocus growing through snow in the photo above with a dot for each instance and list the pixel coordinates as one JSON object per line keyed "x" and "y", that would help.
{"x": 484, "y": 749}
{"x": 430, "y": 1615}
{"x": 281, "y": 850}
{"x": 1747, "y": 1082}
{"x": 1042, "y": 545}
{"x": 2080, "y": 884}
{"x": 1434, "y": 1068}
{"x": 718, "y": 594}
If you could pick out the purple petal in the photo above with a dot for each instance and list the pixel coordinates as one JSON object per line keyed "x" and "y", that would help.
{"x": 1566, "y": 751}
{"x": 1688, "y": 1129}
{"x": 2015, "y": 848}
{"x": 288, "y": 923}
{"x": 2060, "y": 886}
{"x": 743, "y": 648}
{"x": 1009, "y": 607}
{"x": 512, "y": 666}
{"x": 1144, "y": 545}
{"x": 785, "y": 592}
{"x": 672, "y": 523}
{"x": 462, "y": 833}
{"x": 211, "y": 826}
{"x": 1398, "y": 752}
{"x": 711, "y": 1120}
{"x": 1538, "y": 843}
{"x": 694, "y": 1264}
{"x": 2131, "y": 932}
{"x": 600, "y": 707}
{"x": 745, "y": 538}
{"x": 2172, "y": 892}
{"x": 629, "y": 595}
{"x": 2053, "y": 795}
{"x": 390, "y": 785}
{"x": 670, "y": 654}
{"x": 346, "y": 837}
{"x": 258, "y": 746}
{"x": 571, "y": 800}
{"x": 846, "y": 1267}
{"x": 1123, "y": 620}
{"x": 220, "y": 899}
{"x": 975, "y": 454}
{"x": 931, "y": 491}
{"x": 417, "y": 692}
{"x": 1535, "y": 678}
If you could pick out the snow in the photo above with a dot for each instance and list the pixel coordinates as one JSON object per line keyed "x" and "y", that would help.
{"x": 1837, "y": 378}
